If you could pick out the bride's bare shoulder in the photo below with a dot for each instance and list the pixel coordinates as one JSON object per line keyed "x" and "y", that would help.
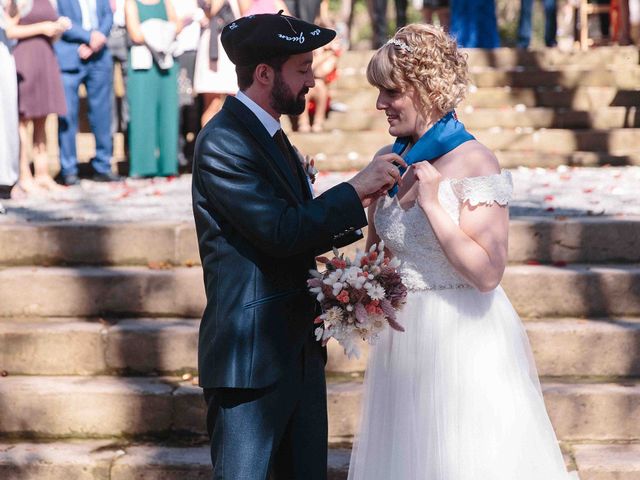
{"x": 475, "y": 160}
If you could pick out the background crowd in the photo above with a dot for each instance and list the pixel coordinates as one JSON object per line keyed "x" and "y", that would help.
{"x": 176, "y": 73}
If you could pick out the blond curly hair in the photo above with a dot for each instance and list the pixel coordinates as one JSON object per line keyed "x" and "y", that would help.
{"x": 423, "y": 59}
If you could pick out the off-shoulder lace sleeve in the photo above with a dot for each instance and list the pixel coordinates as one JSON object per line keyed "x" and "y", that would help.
{"x": 496, "y": 188}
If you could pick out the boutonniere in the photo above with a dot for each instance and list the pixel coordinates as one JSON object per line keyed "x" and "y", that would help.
{"x": 308, "y": 165}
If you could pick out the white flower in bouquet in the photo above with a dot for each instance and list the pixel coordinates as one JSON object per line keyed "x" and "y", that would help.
{"x": 375, "y": 291}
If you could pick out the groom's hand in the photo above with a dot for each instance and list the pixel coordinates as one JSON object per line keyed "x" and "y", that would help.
{"x": 377, "y": 177}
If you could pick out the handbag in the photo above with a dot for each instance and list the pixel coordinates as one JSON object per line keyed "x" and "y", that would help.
{"x": 140, "y": 57}
{"x": 224, "y": 16}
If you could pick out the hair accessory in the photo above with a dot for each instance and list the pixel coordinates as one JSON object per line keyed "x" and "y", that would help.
{"x": 401, "y": 44}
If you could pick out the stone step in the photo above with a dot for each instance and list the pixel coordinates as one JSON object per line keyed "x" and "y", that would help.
{"x": 608, "y": 462}
{"x": 532, "y": 159}
{"x": 505, "y": 117}
{"x": 546, "y": 240}
{"x": 533, "y": 147}
{"x": 104, "y": 460}
{"x": 94, "y": 291}
{"x": 574, "y": 290}
{"x": 59, "y": 346}
{"x": 101, "y": 243}
{"x": 581, "y": 98}
{"x": 578, "y": 291}
{"x": 562, "y": 347}
{"x": 618, "y": 141}
{"x": 625, "y": 77}
{"x": 135, "y": 407}
{"x": 578, "y": 412}
{"x": 512, "y": 57}
{"x": 353, "y": 161}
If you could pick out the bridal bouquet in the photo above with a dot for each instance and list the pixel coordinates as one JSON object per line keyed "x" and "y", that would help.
{"x": 359, "y": 298}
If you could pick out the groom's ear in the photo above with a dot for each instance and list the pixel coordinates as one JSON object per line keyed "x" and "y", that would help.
{"x": 263, "y": 75}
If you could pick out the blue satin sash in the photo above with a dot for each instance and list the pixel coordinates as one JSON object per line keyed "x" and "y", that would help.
{"x": 443, "y": 136}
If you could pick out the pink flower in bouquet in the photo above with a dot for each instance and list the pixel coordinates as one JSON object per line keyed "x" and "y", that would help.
{"x": 343, "y": 297}
{"x": 373, "y": 308}
{"x": 338, "y": 263}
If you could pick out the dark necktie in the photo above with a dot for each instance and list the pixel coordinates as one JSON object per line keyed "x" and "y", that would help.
{"x": 288, "y": 153}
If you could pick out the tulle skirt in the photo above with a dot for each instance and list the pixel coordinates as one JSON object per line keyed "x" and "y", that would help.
{"x": 455, "y": 397}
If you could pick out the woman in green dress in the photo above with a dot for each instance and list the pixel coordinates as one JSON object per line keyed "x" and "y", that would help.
{"x": 152, "y": 94}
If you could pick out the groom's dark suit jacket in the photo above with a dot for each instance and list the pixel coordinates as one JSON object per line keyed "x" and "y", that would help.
{"x": 258, "y": 232}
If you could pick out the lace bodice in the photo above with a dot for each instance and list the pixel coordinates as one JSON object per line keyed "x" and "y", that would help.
{"x": 408, "y": 234}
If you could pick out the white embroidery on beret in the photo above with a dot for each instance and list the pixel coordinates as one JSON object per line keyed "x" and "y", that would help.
{"x": 233, "y": 26}
{"x": 300, "y": 38}
{"x": 316, "y": 32}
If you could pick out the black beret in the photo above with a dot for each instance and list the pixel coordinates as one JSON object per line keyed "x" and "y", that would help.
{"x": 256, "y": 38}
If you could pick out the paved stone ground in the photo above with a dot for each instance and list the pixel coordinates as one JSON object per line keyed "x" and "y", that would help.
{"x": 560, "y": 192}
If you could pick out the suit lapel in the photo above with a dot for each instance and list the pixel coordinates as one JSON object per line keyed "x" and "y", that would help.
{"x": 260, "y": 134}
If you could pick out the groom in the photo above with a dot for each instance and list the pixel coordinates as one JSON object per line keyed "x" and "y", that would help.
{"x": 259, "y": 229}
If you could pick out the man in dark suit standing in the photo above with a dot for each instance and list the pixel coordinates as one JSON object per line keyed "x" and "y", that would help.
{"x": 259, "y": 229}
{"x": 85, "y": 59}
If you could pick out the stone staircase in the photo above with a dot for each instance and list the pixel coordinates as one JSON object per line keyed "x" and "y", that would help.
{"x": 99, "y": 321}
{"x": 98, "y": 339}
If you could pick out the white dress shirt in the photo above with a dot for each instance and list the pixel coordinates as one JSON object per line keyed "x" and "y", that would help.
{"x": 118, "y": 14}
{"x": 271, "y": 124}
{"x": 89, "y": 14}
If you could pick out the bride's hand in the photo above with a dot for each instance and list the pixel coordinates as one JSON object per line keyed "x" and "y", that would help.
{"x": 428, "y": 184}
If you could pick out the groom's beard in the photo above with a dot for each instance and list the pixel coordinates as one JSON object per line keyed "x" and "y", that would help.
{"x": 283, "y": 100}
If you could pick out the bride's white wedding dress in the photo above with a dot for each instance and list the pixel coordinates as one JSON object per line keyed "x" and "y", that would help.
{"x": 456, "y": 396}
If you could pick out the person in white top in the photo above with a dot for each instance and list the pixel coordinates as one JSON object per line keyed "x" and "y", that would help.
{"x": 215, "y": 77}
{"x": 9, "y": 140}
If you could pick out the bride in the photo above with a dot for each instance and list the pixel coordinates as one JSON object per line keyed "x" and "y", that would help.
{"x": 456, "y": 396}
